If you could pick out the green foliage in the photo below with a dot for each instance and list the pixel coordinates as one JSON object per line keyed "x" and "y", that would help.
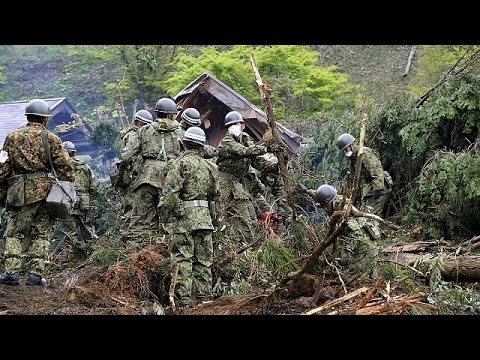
{"x": 322, "y": 156}
{"x": 450, "y": 298}
{"x": 107, "y": 220}
{"x": 105, "y": 256}
{"x": 395, "y": 272}
{"x": 2, "y": 75}
{"x": 300, "y": 88}
{"x": 124, "y": 72}
{"x": 104, "y": 134}
{"x": 446, "y": 202}
{"x": 434, "y": 61}
{"x": 277, "y": 257}
{"x": 406, "y": 136}
{"x": 456, "y": 299}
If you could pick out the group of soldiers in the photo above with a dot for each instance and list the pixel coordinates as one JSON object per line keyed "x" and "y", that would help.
{"x": 173, "y": 185}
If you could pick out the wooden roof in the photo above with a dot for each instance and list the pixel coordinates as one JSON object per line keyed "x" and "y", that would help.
{"x": 255, "y": 119}
{"x": 12, "y": 115}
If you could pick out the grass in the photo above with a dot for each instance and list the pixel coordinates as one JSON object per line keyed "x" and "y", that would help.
{"x": 105, "y": 256}
{"x": 277, "y": 258}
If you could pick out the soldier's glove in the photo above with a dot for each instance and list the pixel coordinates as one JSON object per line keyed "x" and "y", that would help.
{"x": 375, "y": 194}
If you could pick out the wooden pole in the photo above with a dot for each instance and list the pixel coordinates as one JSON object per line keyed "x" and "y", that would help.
{"x": 265, "y": 94}
{"x": 410, "y": 58}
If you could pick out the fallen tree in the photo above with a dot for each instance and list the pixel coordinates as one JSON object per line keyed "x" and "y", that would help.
{"x": 464, "y": 267}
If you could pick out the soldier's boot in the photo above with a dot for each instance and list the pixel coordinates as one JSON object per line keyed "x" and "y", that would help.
{"x": 35, "y": 279}
{"x": 10, "y": 278}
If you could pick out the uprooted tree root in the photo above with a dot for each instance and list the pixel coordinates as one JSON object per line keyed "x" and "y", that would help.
{"x": 124, "y": 283}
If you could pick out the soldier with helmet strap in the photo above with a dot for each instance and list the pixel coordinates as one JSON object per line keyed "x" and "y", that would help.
{"x": 235, "y": 155}
{"x": 375, "y": 183}
{"x": 128, "y": 171}
{"x": 188, "y": 207}
{"x": 359, "y": 251}
{"x": 25, "y": 181}
{"x": 157, "y": 144}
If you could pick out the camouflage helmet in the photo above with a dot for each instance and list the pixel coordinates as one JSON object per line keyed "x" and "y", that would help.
{"x": 143, "y": 116}
{"x": 233, "y": 117}
{"x": 324, "y": 194}
{"x": 191, "y": 116}
{"x": 69, "y": 146}
{"x": 38, "y": 107}
{"x": 195, "y": 135}
{"x": 344, "y": 140}
{"x": 166, "y": 105}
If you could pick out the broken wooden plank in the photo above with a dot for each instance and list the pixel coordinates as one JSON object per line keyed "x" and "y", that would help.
{"x": 413, "y": 247}
{"x": 335, "y": 302}
{"x": 369, "y": 294}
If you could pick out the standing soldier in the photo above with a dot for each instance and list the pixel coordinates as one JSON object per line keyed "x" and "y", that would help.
{"x": 127, "y": 171}
{"x": 190, "y": 193}
{"x": 25, "y": 182}
{"x": 359, "y": 251}
{"x": 235, "y": 154}
{"x": 78, "y": 226}
{"x": 373, "y": 192}
{"x": 157, "y": 143}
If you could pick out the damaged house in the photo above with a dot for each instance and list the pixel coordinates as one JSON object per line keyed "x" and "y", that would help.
{"x": 214, "y": 99}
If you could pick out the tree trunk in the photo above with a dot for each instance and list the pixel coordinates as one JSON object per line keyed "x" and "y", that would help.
{"x": 456, "y": 268}
{"x": 462, "y": 268}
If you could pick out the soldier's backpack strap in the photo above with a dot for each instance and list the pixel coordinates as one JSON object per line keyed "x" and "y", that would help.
{"x": 46, "y": 146}
{"x": 162, "y": 151}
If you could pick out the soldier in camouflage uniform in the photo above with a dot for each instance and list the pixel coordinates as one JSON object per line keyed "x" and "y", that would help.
{"x": 235, "y": 154}
{"x": 188, "y": 206}
{"x": 128, "y": 171}
{"x": 78, "y": 227}
{"x": 373, "y": 192}
{"x": 157, "y": 144}
{"x": 359, "y": 252}
{"x": 25, "y": 183}
{"x": 191, "y": 117}
{"x": 268, "y": 173}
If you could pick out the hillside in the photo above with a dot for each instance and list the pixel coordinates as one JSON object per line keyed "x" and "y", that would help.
{"x": 379, "y": 68}
{"x": 41, "y": 71}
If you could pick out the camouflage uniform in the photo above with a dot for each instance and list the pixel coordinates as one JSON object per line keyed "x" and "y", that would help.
{"x": 371, "y": 179}
{"x": 234, "y": 160}
{"x": 157, "y": 143}
{"x": 129, "y": 139}
{"x": 269, "y": 174}
{"x": 191, "y": 178}
{"x": 359, "y": 252}
{"x": 78, "y": 226}
{"x": 28, "y": 232}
